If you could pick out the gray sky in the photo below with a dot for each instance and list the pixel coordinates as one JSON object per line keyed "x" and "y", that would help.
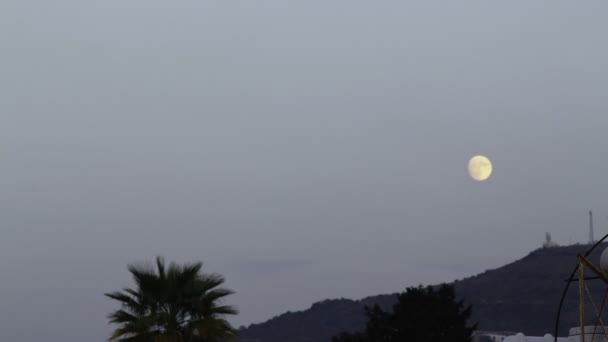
{"x": 305, "y": 150}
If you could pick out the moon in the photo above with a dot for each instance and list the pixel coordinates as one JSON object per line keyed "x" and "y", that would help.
{"x": 480, "y": 168}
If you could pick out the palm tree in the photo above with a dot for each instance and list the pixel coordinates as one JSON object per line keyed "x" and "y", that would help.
{"x": 172, "y": 304}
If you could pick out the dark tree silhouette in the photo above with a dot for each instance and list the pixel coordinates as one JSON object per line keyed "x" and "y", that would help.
{"x": 420, "y": 314}
{"x": 172, "y": 304}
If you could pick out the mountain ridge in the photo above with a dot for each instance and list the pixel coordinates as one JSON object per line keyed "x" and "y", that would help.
{"x": 521, "y": 296}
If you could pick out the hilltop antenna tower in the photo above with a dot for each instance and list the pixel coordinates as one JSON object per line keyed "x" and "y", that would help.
{"x": 591, "y": 238}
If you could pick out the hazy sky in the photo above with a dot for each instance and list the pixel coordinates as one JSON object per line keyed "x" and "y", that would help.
{"x": 304, "y": 149}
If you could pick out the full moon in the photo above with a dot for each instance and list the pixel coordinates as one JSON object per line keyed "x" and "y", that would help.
{"x": 480, "y": 168}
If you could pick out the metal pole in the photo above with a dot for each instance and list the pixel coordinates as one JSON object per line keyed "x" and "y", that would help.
{"x": 581, "y": 294}
{"x": 563, "y": 297}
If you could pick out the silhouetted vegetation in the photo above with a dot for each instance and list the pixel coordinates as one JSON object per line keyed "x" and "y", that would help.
{"x": 172, "y": 304}
{"x": 420, "y": 314}
{"x": 519, "y": 297}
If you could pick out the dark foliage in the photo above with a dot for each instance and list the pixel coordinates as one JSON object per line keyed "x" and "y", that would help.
{"x": 174, "y": 303}
{"x": 519, "y": 297}
{"x": 420, "y": 314}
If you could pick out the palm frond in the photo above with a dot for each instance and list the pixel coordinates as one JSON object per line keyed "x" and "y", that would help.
{"x": 121, "y": 316}
{"x": 160, "y": 267}
{"x": 224, "y": 310}
{"x": 168, "y": 303}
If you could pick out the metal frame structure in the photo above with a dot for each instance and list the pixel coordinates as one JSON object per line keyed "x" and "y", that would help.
{"x": 578, "y": 273}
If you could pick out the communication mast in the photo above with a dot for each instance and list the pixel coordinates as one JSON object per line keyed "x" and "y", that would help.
{"x": 591, "y": 237}
{"x": 548, "y": 243}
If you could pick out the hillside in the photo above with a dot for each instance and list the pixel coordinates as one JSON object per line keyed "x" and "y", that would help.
{"x": 522, "y": 296}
